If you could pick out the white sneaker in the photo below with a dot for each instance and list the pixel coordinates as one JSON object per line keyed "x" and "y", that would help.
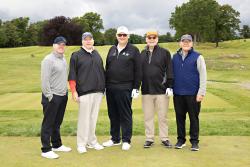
{"x": 62, "y": 149}
{"x": 50, "y": 155}
{"x": 110, "y": 143}
{"x": 81, "y": 149}
{"x": 126, "y": 146}
{"x": 97, "y": 146}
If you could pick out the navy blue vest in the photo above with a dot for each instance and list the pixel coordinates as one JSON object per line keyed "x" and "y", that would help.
{"x": 186, "y": 75}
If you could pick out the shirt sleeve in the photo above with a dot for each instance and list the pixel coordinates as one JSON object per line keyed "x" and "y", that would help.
{"x": 169, "y": 71}
{"x": 72, "y": 85}
{"x": 46, "y": 70}
{"x": 201, "y": 66}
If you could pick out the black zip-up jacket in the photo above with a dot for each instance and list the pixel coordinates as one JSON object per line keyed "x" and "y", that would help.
{"x": 157, "y": 72}
{"x": 88, "y": 72}
{"x": 123, "y": 70}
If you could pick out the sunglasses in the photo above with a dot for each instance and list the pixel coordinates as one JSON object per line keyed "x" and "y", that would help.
{"x": 151, "y": 37}
{"x": 120, "y": 35}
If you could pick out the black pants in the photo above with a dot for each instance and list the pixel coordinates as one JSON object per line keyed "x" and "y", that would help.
{"x": 120, "y": 114}
{"x": 187, "y": 104}
{"x": 53, "y": 112}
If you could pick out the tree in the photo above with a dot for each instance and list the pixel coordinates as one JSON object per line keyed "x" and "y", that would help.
{"x": 166, "y": 38}
{"x": 10, "y": 30}
{"x": 21, "y": 25}
{"x": 31, "y": 35}
{"x": 82, "y": 22}
{"x": 205, "y": 20}
{"x": 93, "y": 21}
{"x": 94, "y": 24}
{"x": 195, "y": 17}
{"x": 226, "y": 23}
{"x": 136, "y": 39}
{"x": 110, "y": 36}
{"x": 245, "y": 31}
{"x": 99, "y": 38}
{"x": 61, "y": 26}
{"x": 3, "y": 37}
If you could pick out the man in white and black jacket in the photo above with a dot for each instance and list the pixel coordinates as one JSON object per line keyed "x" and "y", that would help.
{"x": 157, "y": 83}
{"x": 87, "y": 84}
{"x": 123, "y": 78}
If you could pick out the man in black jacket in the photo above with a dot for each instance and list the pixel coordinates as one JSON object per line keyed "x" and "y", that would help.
{"x": 123, "y": 77}
{"x": 156, "y": 88}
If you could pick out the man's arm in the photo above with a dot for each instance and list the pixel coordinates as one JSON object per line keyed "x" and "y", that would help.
{"x": 46, "y": 69}
{"x": 201, "y": 67}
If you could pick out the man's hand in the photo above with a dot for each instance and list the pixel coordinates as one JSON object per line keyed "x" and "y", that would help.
{"x": 135, "y": 93}
{"x": 169, "y": 92}
{"x": 75, "y": 96}
{"x": 199, "y": 98}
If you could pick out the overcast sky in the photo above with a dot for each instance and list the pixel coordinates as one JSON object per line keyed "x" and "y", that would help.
{"x": 138, "y": 15}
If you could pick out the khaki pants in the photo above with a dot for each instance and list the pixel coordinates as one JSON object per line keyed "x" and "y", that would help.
{"x": 89, "y": 106}
{"x": 150, "y": 105}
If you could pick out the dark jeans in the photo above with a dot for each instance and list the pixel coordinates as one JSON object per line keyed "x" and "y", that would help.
{"x": 187, "y": 104}
{"x": 120, "y": 114}
{"x": 53, "y": 112}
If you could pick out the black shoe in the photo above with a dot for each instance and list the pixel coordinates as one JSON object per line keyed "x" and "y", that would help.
{"x": 148, "y": 144}
{"x": 179, "y": 145}
{"x": 166, "y": 143}
{"x": 195, "y": 147}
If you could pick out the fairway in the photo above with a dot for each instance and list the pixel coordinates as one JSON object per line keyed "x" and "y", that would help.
{"x": 215, "y": 151}
{"x": 32, "y": 101}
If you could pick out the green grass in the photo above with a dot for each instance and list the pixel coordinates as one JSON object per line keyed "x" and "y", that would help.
{"x": 224, "y": 119}
{"x": 215, "y": 151}
{"x": 225, "y": 110}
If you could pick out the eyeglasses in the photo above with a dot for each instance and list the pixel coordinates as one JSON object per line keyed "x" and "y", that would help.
{"x": 151, "y": 37}
{"x": 120, "y": 35}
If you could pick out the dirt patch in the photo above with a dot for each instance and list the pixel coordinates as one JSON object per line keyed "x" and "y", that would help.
{"x": 231, "y": 56}
{"x": 245, "y": 85}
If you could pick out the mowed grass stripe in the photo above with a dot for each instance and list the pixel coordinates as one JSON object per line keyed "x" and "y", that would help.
{"x": 32, "y": 101}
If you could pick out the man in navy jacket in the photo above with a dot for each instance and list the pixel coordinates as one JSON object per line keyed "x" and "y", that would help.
{"x": 189, "y": 90}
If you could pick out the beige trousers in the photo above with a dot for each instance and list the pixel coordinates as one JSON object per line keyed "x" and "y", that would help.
{"x": 89, "y": 107}
{"x": 150, "y": 105}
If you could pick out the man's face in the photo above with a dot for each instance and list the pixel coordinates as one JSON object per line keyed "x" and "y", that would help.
{"x": 186, "y": 45}
{"x": 59, "y": 48}
{"x": 122, "y": 38}
{"x": 88, "y": 42}
{"x": 152, "y": 40}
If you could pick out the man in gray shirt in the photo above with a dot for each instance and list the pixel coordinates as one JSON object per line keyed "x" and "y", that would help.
{"x": 54, "y": 99}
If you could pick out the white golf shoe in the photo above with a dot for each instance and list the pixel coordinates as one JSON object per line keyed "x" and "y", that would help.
{"x": 62, "y": 149}
{"x": 50, "y": 155}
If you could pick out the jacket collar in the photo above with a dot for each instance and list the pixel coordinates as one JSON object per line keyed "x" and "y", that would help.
{"x": 155, "y": 47}
{"x": 179, "y": 52}
{"x": 85, "y": 51}
{"x": 126, "y": 47}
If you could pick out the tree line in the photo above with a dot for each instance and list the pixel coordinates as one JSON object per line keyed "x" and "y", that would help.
{"x": 206, "y": 21}
{"x": 19, "y": 32}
